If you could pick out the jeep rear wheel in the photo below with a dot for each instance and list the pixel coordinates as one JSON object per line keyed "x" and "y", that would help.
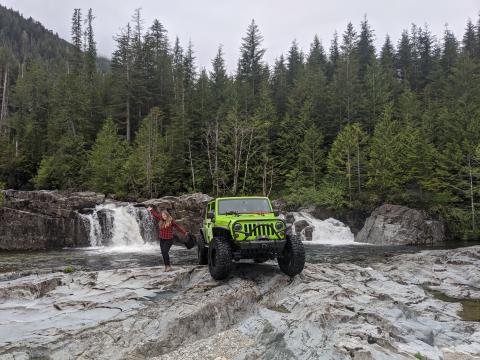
{"x": 292, "y": 260}
{"x": 219, "y": 258}
{"x": 202, "y": 251}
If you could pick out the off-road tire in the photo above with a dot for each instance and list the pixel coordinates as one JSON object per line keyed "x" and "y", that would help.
{"x": 219, "y": 258}
{"x": 202, "y": 251}
{"x": 292, "y": 260}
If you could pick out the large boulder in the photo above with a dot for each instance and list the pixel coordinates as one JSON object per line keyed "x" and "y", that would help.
{"x": 400, "y": 225}
{"x": 300, "y": 225}
{"x": 187, "y": 210}
{"x": 308, "y": 233}
{"x": 33, "y": 220}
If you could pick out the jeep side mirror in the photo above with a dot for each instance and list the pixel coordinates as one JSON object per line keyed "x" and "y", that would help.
{"x": 210, "y": 214}
{"x": 276, "y": 213}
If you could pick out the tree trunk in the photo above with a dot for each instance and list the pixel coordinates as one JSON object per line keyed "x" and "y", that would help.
{"x": 191, "y": 165}
{"x": 471, "y": 192}
{"x": 349, "y": 175}
{"x": 209, "y": 157}
{"x": 3, "y": 111}
{"x": 246, "y": 161}
{"x": 271, "y": 182}
{"x": 128, "y": 118}
{"x": 216, "y": 154}
{"x": 314, "y": 172}
{"x": 358, "y": 166}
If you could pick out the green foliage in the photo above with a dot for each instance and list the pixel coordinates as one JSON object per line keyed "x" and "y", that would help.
{"x": 328, "y": 194}
{"x": 2, "y": 197}
{"x": 146, "y": 168}
{"x": 311, "y": 156}
{"x": 65, "y": 168}
{"x": 69, "y": 269}
{"x": 351, "y": 129}
{"x": 419, "y": 356}
{"x": 106, "y": 159}
{"x": 347, "y": 158}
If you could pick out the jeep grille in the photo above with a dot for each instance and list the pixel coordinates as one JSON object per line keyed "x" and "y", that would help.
{"x": 261, "y": 230}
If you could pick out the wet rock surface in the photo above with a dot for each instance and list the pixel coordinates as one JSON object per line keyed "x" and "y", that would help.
{"x": 31, "y": 220}
{"x": 300, "y": 225}
{"x": 400, "y": 225}
{"x": 385, "y": 310}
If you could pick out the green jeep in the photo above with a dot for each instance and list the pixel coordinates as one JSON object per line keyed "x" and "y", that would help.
{"x": 237, "y": 228}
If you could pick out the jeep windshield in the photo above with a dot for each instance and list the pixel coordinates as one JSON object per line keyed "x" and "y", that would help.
{"x": 243, "y": 206}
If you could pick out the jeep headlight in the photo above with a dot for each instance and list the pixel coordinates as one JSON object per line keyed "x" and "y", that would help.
{"x": 237, "y": 227}
{"x": 279, "y": 226}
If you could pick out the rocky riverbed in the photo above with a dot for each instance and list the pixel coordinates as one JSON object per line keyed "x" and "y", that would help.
{"x": 403, "y": 307}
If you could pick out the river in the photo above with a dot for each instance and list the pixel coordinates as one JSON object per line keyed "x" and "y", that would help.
{"x": 15, "y": 264}
{"x": 128, "y": 234}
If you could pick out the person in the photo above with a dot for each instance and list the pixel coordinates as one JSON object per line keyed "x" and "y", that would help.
{"x": 167, "y": 224}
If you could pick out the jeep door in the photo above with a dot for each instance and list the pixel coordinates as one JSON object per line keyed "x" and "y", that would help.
{"x": 207, "y": 223}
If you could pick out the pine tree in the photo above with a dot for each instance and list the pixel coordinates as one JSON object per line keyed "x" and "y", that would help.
{"x": 449, "y": 52}
{"x": 91, "y": 53}
{"x": 311, "y": 155}
{"x": 347, "y": 159}
{"x": 426, "y": 58}
{"x": 388, "y": 69}
{"x": 139, "y": 76}
{"x": 91, "y": 84}
{"x": 65, "y": 168}
{"x": 477, "y": 33}
{"x": 387, "y": 56}
{"x": 333, "y": 57}
{"x": 189, "y": 80}
{"x": 106, "y": 160}
{"x": 347, "y": 76}
{"x": 219, "y": 79}
{"x": 76, "y": 56}
{"x": 365, "y": 48}
{"x": 250, "y": 66}
{"x": 294, "y": 64}
{"x": 469, "y": 39}
{"x": 261, "y": 155}
{"x": 148, "y": 162}
{"x": 316, "y": 59}
{"x": 122, "y": 62}
{"x": 405, "y": 58}
{"x": 158, "y": 63}
{"x": 384, "y": 172}
{"x": 279, "y": 87}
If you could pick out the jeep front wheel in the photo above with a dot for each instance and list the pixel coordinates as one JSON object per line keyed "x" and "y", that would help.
{"x": 219, "y": 258}
{"x": 292, "y": 260}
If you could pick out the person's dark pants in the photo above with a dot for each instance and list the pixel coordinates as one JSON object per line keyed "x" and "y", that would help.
{"x": 165, "y": 246}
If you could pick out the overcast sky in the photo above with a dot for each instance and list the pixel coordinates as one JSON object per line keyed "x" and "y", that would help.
{"x": 209, "y": 23}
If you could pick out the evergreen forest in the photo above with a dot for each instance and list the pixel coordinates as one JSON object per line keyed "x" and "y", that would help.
{"x": 342, "y": 124}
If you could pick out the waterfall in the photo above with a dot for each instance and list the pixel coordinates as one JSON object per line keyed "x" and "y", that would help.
{"x": 119, "y": 226}
{"x": 95, "y": 233}
{"x": 330, "y": 231}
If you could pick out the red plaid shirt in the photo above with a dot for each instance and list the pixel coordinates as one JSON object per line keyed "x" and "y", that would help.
{"x": 166, "y": 233}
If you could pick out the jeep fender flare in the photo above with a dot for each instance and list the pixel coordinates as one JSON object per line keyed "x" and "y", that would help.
{"x": 219, "y": 231}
